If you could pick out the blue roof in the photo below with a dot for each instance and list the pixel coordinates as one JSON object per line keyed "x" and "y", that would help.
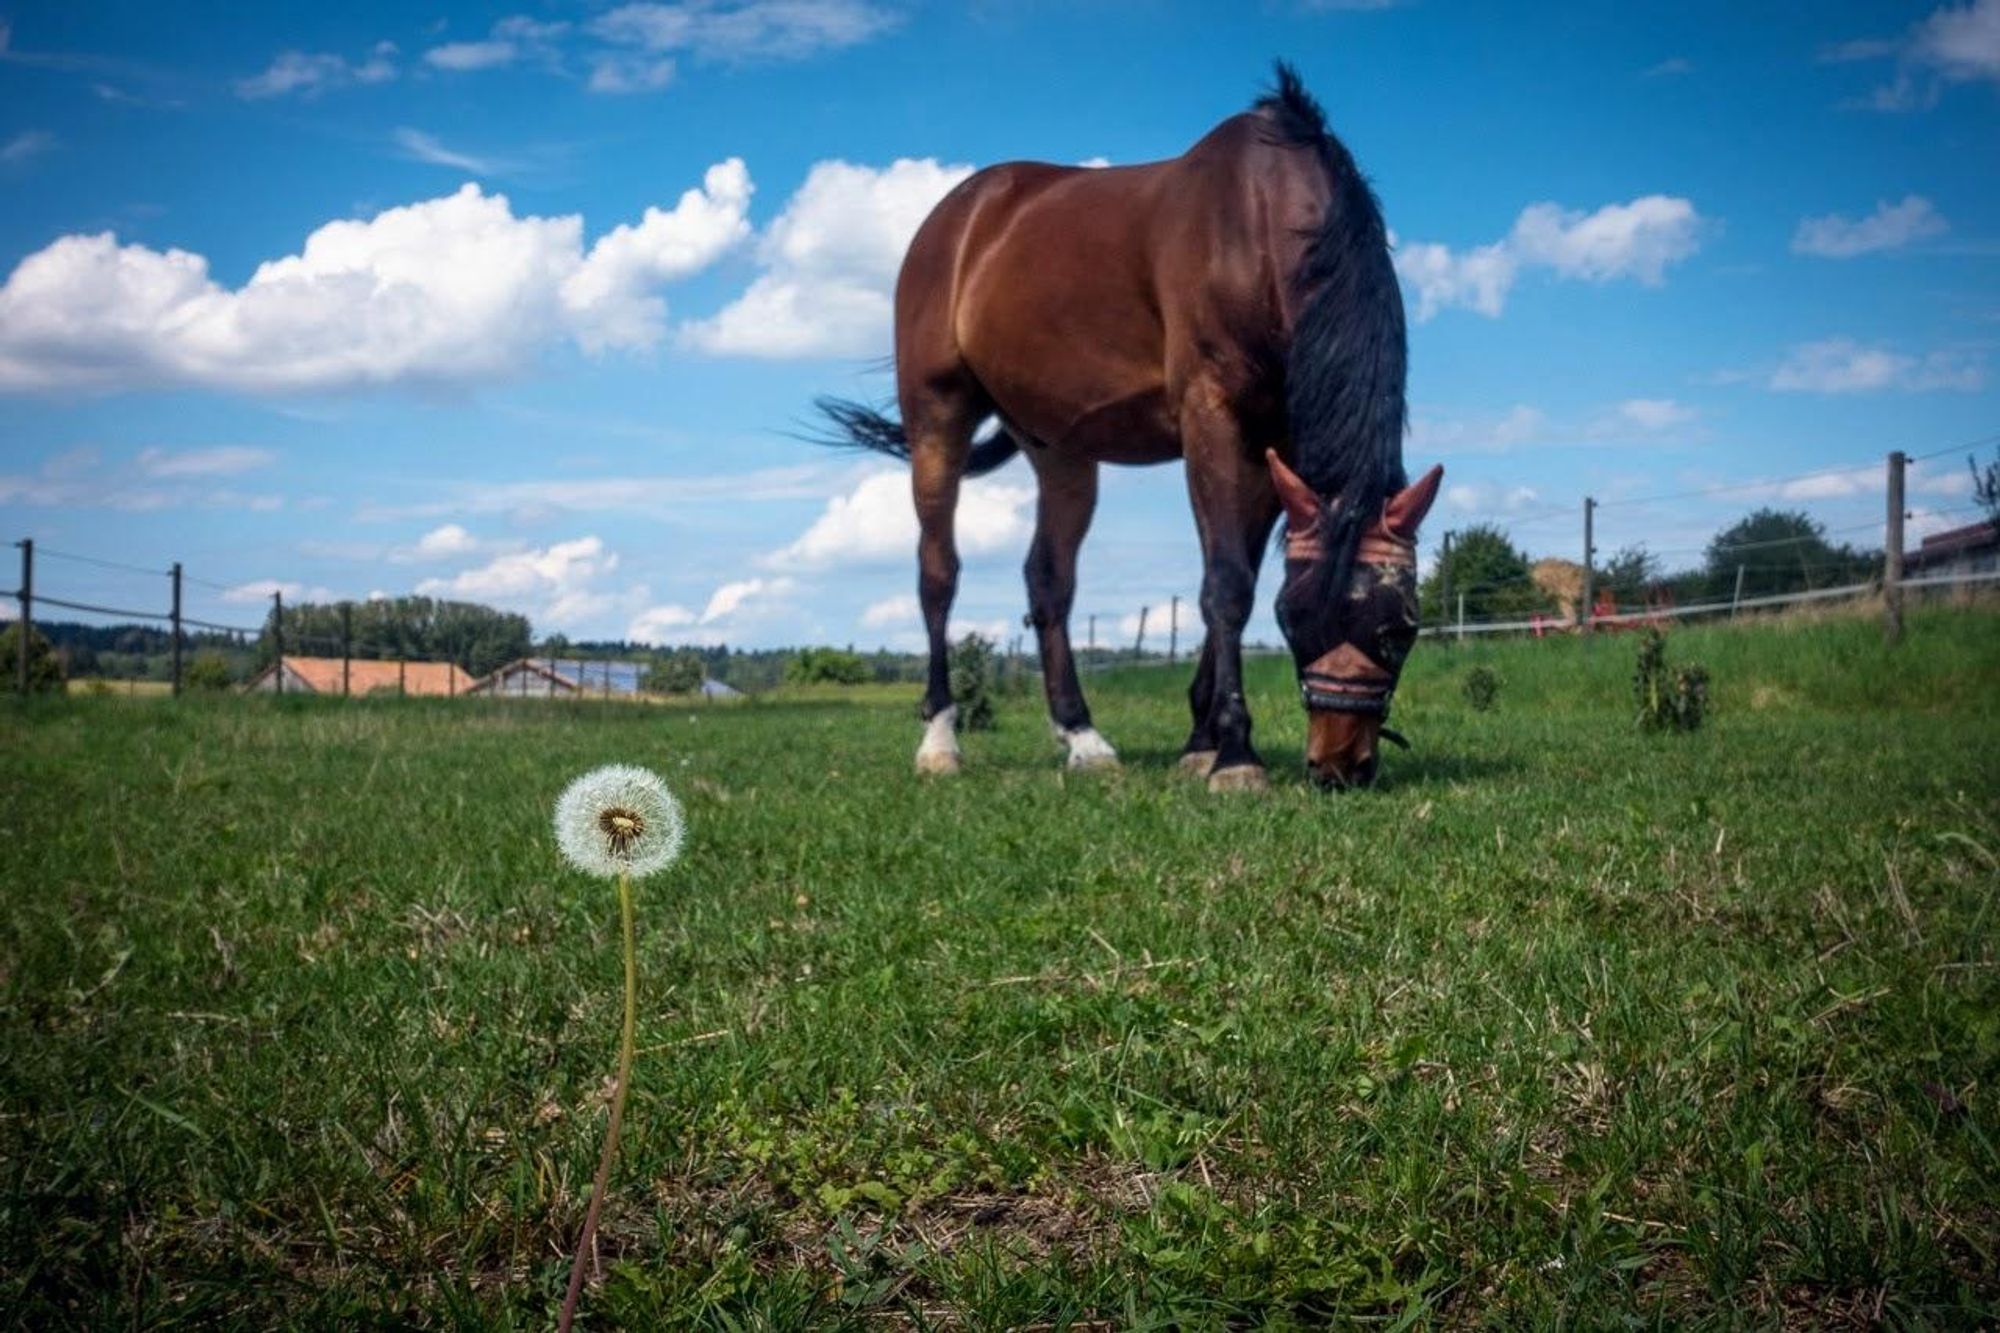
{"x": 595, "y": 677}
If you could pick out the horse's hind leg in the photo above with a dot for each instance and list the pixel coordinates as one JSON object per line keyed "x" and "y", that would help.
{"x": 1068, "y": 498}
{"x": 940, "y": 437}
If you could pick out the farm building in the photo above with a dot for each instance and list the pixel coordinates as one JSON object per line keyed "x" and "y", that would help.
{"x": 328, "y": 675}
{"x": 1973, "y": 549}
{"x": 568, "y": 678}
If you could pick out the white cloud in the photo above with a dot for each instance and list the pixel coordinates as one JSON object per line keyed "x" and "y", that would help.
{"x": 829, "y": 263}
{"x": 1476, "y": 433}
{"x": 1488, "y": 498}
{"x": 1656, "y": 414}
{"x": 448, "y": 291}
{"x": 511, "y": 40}
{"x": 629, "y": 72}
{"x": 446, "y": 542}
{"x": 25, "y": 146}
{"x": 309, "y": 75}
{"x": 1955, "y": 44}
{"x": 1637, "y": 240}
{"x": 1842, "y": 365}
{"x": 421, "y": 147}
{"x": 1889, "y": 227}
{"x": 225, "y": 460}
{"x": 730, "y": 598}
{"x": 554, "y": 584}
{"x": 262, "y": 590}
{"x": 897, "y": 610}
{"x": 661, "y": 624}
{"x": 739, "y": 30}
{"x": 1671, "y": 67}
{"x": 876, "y": 522}
{"x": 610, "y": 297}
{"x": 649, "y": 495}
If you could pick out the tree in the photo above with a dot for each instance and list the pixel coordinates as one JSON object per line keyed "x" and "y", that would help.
{"x": 676, "y": 673}
{"x": 209, "y": 671}
{"x": 44, "y": 670}
{"x": 971, "y": 683}
{"x": 1630, "y": 575}
{"x": 1986, "y": 486}
{"x": 1490, "y": 572}
{"x": 833, "y": 666}
{"x": 1780, "y": 551}
{"x": 478, "y": 638}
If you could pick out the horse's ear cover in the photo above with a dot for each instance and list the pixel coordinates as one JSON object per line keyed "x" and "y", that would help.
{"x": 1301, "y": 505}
{"x": 1405, "y": 510}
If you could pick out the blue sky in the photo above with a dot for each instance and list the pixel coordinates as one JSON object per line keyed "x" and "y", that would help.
{"x": 520, "y": 303}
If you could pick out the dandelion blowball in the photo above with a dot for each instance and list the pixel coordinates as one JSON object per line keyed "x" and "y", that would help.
{"x": 618, "y": 820}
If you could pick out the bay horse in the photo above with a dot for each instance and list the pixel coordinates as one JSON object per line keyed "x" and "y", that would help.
{"x": 1235, "y": 307}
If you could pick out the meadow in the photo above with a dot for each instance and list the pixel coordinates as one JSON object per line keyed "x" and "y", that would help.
{"x": 306, "y": 1024}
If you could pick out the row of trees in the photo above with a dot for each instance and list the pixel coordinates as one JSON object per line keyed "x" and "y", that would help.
{"x": 478, "y": 638}
{"x": 1771, "y": 551}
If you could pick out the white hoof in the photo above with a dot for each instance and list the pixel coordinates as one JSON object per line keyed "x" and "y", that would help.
{"x": 1087, "y": 749}
{"x": 1243, "y": 777}
{"x": 939, "y": 752}
{"x": 1197, "y": 763}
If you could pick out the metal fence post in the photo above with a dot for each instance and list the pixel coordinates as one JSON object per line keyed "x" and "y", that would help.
{"x": 177, "y": 629}
{"x": 26, "y": 624}
{"x": 1461, "y": 617}
{"x": 1139, "y": 644}
{"x": 1892, "y": 554}
{"x": 1736, "y": 598}
{"x": 278, "y": 636}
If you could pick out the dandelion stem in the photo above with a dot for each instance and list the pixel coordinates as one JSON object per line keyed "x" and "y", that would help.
{"x": 583, "y": 1244}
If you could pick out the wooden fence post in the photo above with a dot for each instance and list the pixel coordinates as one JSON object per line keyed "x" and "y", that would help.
{"x": 1173, "y": 630}
{"x": 1892, "y": 554}
{"x": 1736, "y": 598}
{"x": 1139, "y": 644}
{"x": 1444, "y": 580}
{"x": 278, "y": 635}
{"x": 177, "y": 629}
{"x": 26, "y": 624}
{"x": 346, "y": 646}
{"x": 1586, "y": 601}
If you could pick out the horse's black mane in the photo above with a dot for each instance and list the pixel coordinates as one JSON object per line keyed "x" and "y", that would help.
{"x": 1345, "y": 372}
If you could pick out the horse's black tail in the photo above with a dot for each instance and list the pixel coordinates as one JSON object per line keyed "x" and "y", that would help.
{"x": 857, "y": 426}
{"x": 1345, "y": 372}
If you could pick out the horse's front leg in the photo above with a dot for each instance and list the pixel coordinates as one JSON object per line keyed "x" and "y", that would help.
{"x": 1234, "y": 509}
{"x": 1198, "y": 755}
{"x": 1068, "y": 498}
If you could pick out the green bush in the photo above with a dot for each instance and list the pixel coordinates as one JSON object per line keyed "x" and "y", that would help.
{"x": 831, "y": 666}
{"x": 1670, "y": 699}
{"x": 208, "y": 671}
{"x": 677, "y": 673}
{"x": 972, "y": 683}
{"x": 44, "y": 670}
{"x": 1482, "y": 689}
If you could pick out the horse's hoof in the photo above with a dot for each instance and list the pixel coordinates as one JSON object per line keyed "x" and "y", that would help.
{"x": 1092, "y": 763}
{"x": 1243, "y": 777}
{"x": 937, "y": 763}
{"x": 1088, "y": 750}
{"x": 1197, "y": 763}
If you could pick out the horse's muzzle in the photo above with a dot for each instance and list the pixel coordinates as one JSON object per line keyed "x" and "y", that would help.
{"x": 1342, "y": 748}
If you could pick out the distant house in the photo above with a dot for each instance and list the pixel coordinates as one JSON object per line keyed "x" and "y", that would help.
{"x": 562, "y": 678}
{"x": 569, "y": 678}
{"x": 1973, "y": 549}
{"x": 324, "y": 675}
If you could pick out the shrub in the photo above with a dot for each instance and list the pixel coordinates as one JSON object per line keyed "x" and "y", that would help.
{"x": 677, "y": 673}
{"x": 208, "y": 671}
{"x": 972, "y": 683}
{"x": 44, "y": 671}
{"x": 832, "y": 666}
{"x": 1669, "y": 699}
{"x": 1482, "y": 689}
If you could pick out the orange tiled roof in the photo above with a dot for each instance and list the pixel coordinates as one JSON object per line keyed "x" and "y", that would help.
{"x": 322, "y": 676}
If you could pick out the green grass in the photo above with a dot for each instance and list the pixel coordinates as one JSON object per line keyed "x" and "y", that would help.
{"x": 304, "y": 1023}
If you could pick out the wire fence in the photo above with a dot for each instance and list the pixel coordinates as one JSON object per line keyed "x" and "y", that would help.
{"x": 1168, "y": 630}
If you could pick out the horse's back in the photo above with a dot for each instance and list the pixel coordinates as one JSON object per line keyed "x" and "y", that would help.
{"x": 1075, "y": 296}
